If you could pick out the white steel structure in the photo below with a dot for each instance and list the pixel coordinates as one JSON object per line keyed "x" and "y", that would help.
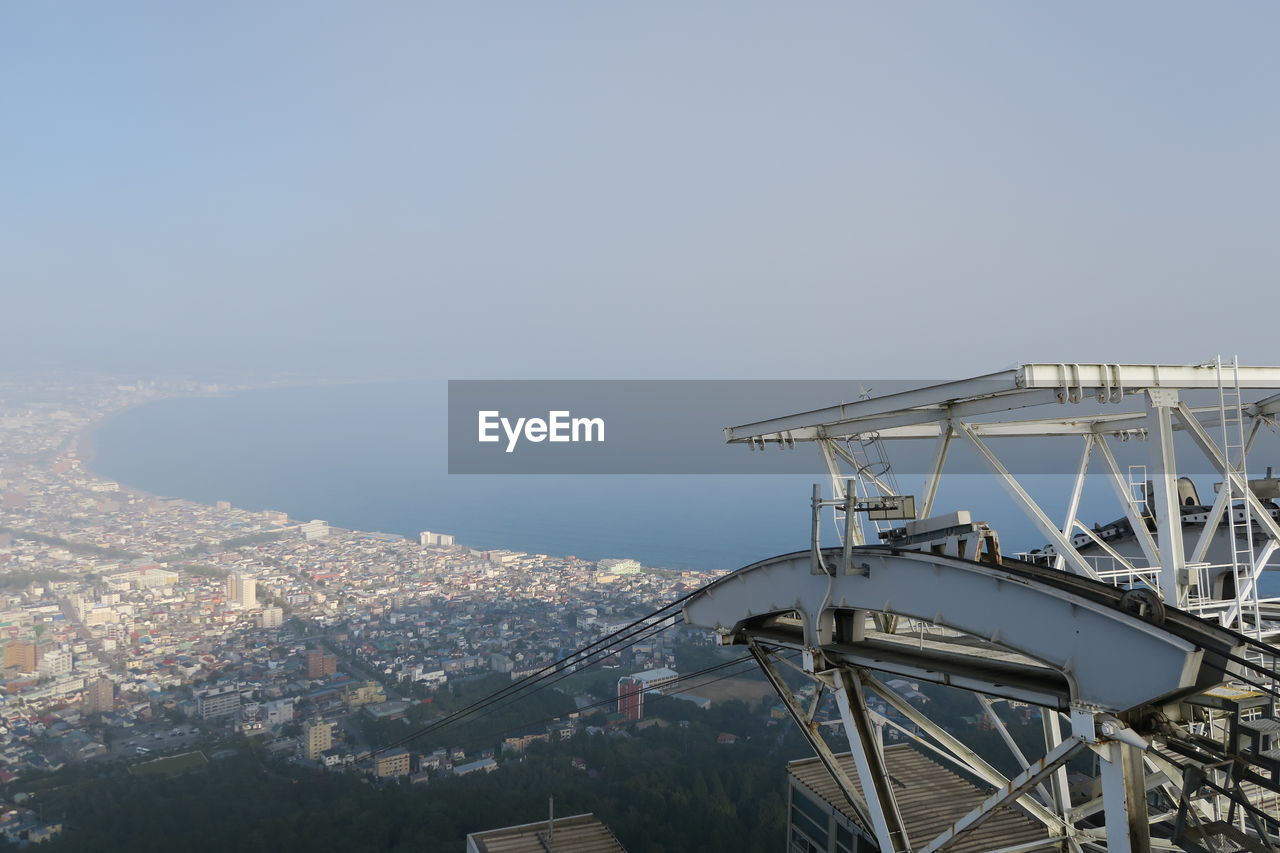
{"x": 1153, "y": 659}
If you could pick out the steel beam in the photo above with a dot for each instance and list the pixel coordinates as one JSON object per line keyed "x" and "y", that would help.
{"x": 1007, "y": 793}
{"x": 1002, "y": 391}
{"x": 935, "y": 473}
{"x": 1003, "y": 382}
{"x": 1078, "y": 564}
{"x": 864, "y": 743}
{"x": 1077, "y": 489}
{"x": 1058, "y": 786}
{"x": 1249, "y": 588}
{"x": 1009, "y": 742}
{"x": 1140, "y": 532}
{"x": 810, "y": 731}
{"x": 1124, "y": 796}
{"x": 1137, "y": 377}
{"x": 1164, "y": 474}
{"x": 927, "y": 420}
{"x": 1207, "y": 445}
{"x": 970, "y": 759}
{"x": 1260, "y": 512}
{"x": 1210, "y": 527}
{"x": 1102, "y": 543}
{"x": 1112, "y": 659}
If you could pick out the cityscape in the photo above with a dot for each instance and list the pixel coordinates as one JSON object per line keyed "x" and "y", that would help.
{"x": 148, "y": 629}
{"x": 158, "y": 633}
{"x": 639, "y": 428}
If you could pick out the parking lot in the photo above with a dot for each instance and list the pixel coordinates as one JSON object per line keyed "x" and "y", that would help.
{"x": 156, "y": 739}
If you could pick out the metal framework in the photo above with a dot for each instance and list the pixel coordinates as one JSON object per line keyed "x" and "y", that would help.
{"x": 1154, "y": 656}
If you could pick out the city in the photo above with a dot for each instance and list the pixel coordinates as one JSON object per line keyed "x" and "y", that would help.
{"x": 162, "y": 634}
{"x": 138, "y": 625}
{"x": 938, "y": 508}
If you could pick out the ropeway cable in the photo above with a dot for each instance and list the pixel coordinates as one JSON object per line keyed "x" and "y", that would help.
{"x": 533, "y": 683}
{"x": 612, "y": 700}
{"x": 493, "y": 703}
{"x": 579, "y": 655}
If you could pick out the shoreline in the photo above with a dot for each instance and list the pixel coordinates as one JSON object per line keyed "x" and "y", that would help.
{"x": 84, "y": 443}
{"x": 86, "y": 449}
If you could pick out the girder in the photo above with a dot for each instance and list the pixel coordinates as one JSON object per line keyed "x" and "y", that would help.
{"x": 937, "y": 601}
{"x": 1079, "y": 645}
{"x": 917, "y": 413}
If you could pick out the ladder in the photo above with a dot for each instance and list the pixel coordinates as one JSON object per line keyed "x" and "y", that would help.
{"x": 1239, "y": 522}
{"x": 872, "y": 463}
{"x": 1139, "y": 493}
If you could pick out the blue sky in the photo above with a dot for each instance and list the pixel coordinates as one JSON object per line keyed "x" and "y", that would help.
{"x": 659, "y": 190}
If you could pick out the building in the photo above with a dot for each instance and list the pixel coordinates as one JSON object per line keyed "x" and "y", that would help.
{"x": 271, "y": 617}
{"x": 151, "y": 577}
{"x": 249, "y": 720}
{"x": 25, "y": 656}
{"x": 631, "y": 689}
{"x": 369, "y": 693}
{"x": 654, "y": 680}
{"x": 99, "y": 696}
{"x": 584, "y": 833}
{"x": 482, "y": 765}
{"x": 242, "y": 591}
{"x": 278, "y": 712}
{"x": 22, "y": 827}
{"x": 393, "y": 762}
{"x": 314, "y": 529}
{"x": 317, "y": 736}
{"x": 620, "y": 567}
{"x": 630, "y": 698}
{"x": 520, "y": 741}
{"x": 426, "y": 538}
{"x": 930, "y": 797}
{"x": 55, "y": 663}
{"x": 220, "y": 701}
{"x": 320, "y": 665}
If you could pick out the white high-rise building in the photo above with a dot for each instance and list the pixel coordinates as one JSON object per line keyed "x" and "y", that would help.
{"x": 55, "y": 663}
{"x": 426, "y": 538}
{"x": 314, "y": 529}
{"x": 271, "y": 617}
{"x": 242, "y": 591}
{"x": 218, "y": 701}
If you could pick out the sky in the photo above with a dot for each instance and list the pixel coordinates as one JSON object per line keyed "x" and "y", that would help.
{"x": 659, "y": 190}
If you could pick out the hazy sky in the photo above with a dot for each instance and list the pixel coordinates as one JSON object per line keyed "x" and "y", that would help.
{"x": 660, "y": 189}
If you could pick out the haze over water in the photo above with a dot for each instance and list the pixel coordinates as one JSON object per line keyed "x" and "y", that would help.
{"x": 373, "y": 457}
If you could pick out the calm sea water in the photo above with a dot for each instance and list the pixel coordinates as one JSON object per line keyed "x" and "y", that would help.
{"x": 373, "y": 457}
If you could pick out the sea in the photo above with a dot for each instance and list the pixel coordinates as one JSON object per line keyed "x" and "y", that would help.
{"x": 373, "y": 456}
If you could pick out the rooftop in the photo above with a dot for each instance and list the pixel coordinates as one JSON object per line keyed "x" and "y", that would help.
{"x": 930, "y": 797}
{"x": 582, "y": 833}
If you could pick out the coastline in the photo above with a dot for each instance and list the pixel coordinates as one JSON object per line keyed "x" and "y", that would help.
{"x": 85, "y": 446}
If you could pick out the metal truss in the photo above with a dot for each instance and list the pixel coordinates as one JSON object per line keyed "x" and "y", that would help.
{"x": 976, "y": 411}
{"x": 1138, "y": 652}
